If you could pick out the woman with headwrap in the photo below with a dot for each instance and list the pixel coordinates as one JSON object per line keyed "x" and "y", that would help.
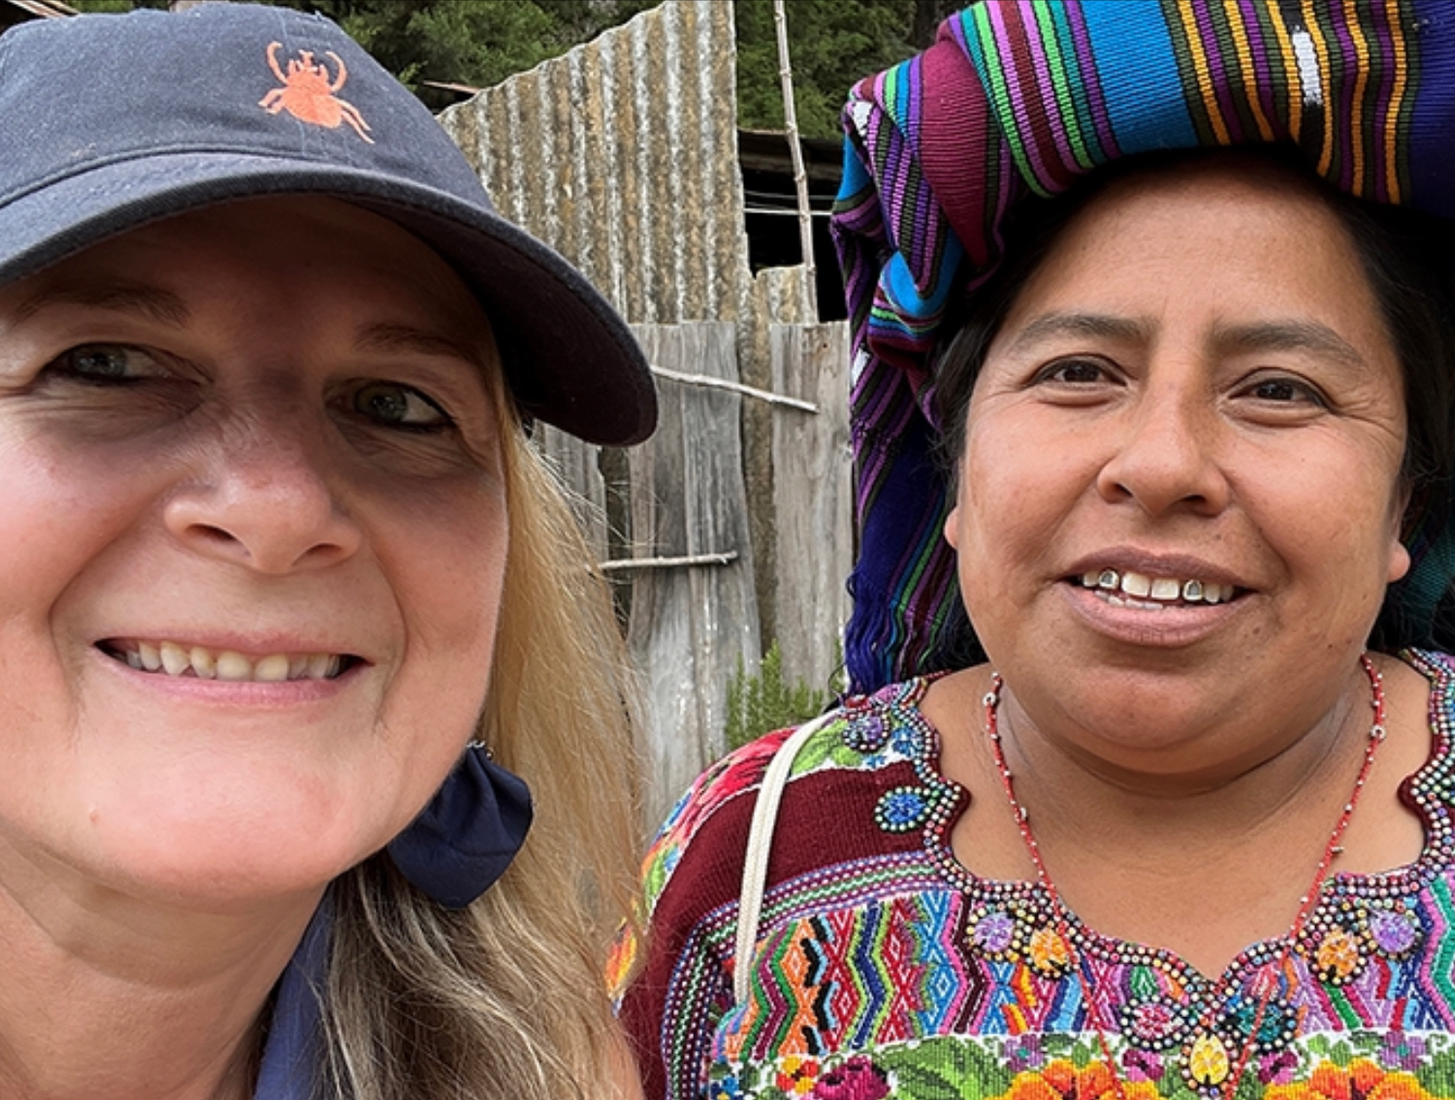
{"x": 1152, "y": 392}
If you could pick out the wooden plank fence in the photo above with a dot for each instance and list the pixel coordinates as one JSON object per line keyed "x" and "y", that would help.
{"x": 686, "y": 558}
{"x": 812, "y": 500}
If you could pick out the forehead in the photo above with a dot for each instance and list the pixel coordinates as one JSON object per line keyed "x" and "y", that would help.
{"x": 1222, "y": 242}
{"x": 280, "y": 245}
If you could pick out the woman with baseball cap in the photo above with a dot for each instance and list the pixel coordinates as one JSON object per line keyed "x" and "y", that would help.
{"x": 284, "y": 591}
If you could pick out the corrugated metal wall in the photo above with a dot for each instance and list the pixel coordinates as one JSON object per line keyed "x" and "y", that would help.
{"x": 622, "y": 154}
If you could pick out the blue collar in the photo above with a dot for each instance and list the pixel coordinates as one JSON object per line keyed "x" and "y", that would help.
{"x": 291, "y": 1054}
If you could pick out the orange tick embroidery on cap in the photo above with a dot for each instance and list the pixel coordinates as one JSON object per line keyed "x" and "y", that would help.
{"x": 308, "y": 95}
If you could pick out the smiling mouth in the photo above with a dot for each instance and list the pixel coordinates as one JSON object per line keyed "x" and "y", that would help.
{"x": 1131, "y": 589}
{"x": 180, "y": 659}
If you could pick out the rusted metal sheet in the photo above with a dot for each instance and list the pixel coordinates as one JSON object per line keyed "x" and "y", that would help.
{"x": 622, "y": 154}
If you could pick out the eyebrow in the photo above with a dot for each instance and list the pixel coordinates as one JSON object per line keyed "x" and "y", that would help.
{"x": 388, "y": 338}
{"x": 1286, "y": 335}
{"x": 1310, "y": 336}
{"x": 1095, "y": 325}
{"x": 149, "y": 301}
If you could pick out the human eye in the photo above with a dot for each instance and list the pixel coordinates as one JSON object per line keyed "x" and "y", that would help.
{"x": 1074, "y": 372}
{"x": 103, "y": 365}
{"x": 1076, "y": 376}
{"x": 395, "y": 405}
{"x": 1284, "y": 390}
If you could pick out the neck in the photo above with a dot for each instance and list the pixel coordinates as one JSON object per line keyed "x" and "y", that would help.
{"x": 108, "y": 996}
{"x": 1295, "y": 763}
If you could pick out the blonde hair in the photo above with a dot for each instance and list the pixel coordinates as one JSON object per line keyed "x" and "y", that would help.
{"x": 507, "y": 998}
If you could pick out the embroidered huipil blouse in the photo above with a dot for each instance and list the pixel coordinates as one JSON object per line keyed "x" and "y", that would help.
{"x": 885, "y": 969}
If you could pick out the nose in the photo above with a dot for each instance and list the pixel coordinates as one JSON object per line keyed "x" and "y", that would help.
{"x": 262, "y": 498}
{"x": 1165, "y": 453}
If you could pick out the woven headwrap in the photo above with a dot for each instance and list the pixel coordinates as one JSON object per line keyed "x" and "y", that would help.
{"x": 1021, "y": 97}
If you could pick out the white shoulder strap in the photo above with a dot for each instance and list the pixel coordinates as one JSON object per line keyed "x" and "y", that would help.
{"x": 760, "y": 843}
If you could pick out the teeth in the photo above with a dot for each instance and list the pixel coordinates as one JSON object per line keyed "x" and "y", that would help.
{"x": 1164, "y": 588}
{"x": 175, "y": 659}
{"x": 1131, "y": 589}
{"x": 233, "y": 666}
{"x": 1137, "y": 585}
{"x": 272, "y": 668}
{"x": 151, "y": 660}
{"x": 205, "y": 664}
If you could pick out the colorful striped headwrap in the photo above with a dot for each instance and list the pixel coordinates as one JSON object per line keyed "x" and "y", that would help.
{"x": 1020, "y": 97}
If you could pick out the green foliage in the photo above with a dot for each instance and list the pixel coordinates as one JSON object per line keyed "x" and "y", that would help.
{"x": 114, "y": 5}
{"x": 763, "y": 702}
{"x": 832, "y": 43}
{"x": 473, "y": 42}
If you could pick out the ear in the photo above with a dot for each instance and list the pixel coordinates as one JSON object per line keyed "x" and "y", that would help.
{"x": 1399, "y": 555}
{"x": 1399, "y": 561}
{"x": 952, "y": 528}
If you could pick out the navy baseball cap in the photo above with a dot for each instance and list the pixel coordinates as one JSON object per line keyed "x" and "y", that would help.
{"x": 108, "y": 122}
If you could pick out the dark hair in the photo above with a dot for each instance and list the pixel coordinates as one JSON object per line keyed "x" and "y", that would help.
{"x": 1408, "y": 258}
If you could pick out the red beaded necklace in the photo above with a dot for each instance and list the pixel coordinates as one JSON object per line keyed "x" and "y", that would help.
{"x": 1208, "y": 1063}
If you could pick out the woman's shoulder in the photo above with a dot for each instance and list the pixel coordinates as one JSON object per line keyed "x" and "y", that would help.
{"x": 1428, "y": 678}
{"x": 853, "y": 743}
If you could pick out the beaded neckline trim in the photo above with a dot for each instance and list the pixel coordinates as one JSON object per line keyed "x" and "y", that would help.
{"x": 935, "y": 803}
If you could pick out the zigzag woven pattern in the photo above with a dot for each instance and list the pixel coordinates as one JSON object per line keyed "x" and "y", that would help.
{"x": 1021, "y": 97}
{"x": 884, "y": 968}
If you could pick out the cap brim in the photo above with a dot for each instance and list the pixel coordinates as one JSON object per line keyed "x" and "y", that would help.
{"x": 570, "y": 359}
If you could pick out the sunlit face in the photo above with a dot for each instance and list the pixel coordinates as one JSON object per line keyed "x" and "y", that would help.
{"x": 1193, "y": 402}
{"x": 255, "y": 446}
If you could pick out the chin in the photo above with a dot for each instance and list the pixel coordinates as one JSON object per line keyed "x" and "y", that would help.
{"x": 223, "y": 862}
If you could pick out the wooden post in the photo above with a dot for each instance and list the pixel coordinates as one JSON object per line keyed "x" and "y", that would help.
{"x": 800, "y": 176}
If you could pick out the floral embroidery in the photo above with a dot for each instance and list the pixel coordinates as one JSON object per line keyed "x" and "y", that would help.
{"x": 1155, "y": 1024}
{"x": 857, "y": 1079}
{"x": 1402, "y": 1051}
{"x": 1061, "y": 1080}
{"x": 996, "y": 934}
{"x": 1395, "y": 933}
{"x": 1049, "y": 952}
{"x": 1066, "y": 1067}
{"x": 1361, "y": 1080}
{"x": 903, "y": 809}
{"x": 797, "y": 1075}
{"x": 928, "y": 982}
{"x": 1337, "y": 957}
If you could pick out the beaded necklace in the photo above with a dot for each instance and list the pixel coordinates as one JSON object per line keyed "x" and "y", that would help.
{"x": 1207, "y": 1066}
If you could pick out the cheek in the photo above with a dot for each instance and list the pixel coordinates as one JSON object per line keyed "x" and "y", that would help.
{"x": 1332, "y": 514}
{"x": 60, "y": 514}
{"x": 448, "y": 583}
{"x": 1018, "y": 483}
{"x": 446, "y": 558}
{"x": 1009, "y": 503}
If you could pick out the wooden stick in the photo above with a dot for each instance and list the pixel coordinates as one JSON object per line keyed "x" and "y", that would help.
{"x": 800, "y": 175}
{"x": 616, "y": 565}
{"x": 735, "y": 387}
